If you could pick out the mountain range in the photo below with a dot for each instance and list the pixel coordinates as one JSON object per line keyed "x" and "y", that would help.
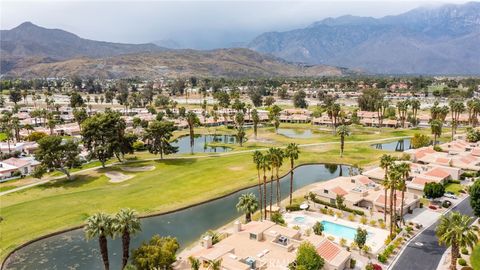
{"x": 30, "y": 51}
{"x": 441, "y": 40}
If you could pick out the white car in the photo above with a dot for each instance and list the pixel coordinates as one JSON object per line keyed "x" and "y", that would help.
{"x": 450, "y": 196}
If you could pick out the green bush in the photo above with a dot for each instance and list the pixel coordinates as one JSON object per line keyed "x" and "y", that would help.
{"x": 334, "y": 205}
{"x": 433, "y": 190}
{"x": 462, "y": 262}
{"x": 277, "y": 218}
{"x": 353, "y": 262}
{"x": 293, "y": 207}
{"x": 138, "y": 146}
{"x": 454, "y": 181}
{"x": 464, "y": 251}
{"x": 420, "y": 140}
{"x": 382, "y": 258}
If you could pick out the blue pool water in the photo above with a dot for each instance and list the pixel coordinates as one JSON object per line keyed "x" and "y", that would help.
{"x": 338, "y": 230}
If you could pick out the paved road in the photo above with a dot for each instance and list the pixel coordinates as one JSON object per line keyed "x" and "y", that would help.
{"x": 428, "y": 256}
{"x": 196, "y": 156}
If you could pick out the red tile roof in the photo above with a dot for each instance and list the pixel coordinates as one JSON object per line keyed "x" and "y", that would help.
{"x": 438, "y": 172}
{"x": 339, "y": 191}
{"x": 328, "y": 250}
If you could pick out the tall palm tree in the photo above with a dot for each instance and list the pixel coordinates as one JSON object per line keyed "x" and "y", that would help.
{"x": 455, "y": 230}
{"x": 415, "y": 104}
{"x": 394, "y": 175}
{"x": 279, "y": 156}
{"x": 404, "y": 169}
{"x": 192, "y": 121}
{"x": 248, "y": 204}
{"x": 386, "y": 161}
{"x": 271, "y": 153}
{"x": 126, "y": 223}
{"x": 257, "y": 159}
{"x": 343, "y": 131}
{"x": 265, "y": 166}
{"x": 100, "y": 225}
{"x": 255, "y": 119}
{"x": 292, "y": 152}
{"x": 436, "y": 126}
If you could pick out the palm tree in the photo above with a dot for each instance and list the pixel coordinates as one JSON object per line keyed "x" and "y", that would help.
{"x": 386, "y": 161}
{"x": 255, "y": 119}
{"x": 215, "y": 264}
{"x": 455, "y": 230}
{"x": 436, "y": 126}
{"x": 394, "y": 175}
{"x": 126, "y": 223}
{"x": 100, "y": 225}
{"x": 292, "y": 152}
{"x": 343, "y": 131}
{"x": 248, "y": 204}
{"x": 456, "y": 108}
{"x": 257, "y": 159}
{"x": 279, "y": 156}
{"x": 404, "y": 169}
{"x": 194, "y": 263}
{"x": 333, "y": 111}
{"x": 415, "y": 104}
{"x": 271, "y": 153}
{"x": 192, "y": 120}
{"x": 265, "y": 165}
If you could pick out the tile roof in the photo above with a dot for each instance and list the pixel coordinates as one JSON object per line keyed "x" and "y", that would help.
{"x": 339, "y": 191}
{"x": 328, "y": 250}
{"x": 438, "y": 172}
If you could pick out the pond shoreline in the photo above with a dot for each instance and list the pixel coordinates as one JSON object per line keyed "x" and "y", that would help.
{"x": 154, "y": 214}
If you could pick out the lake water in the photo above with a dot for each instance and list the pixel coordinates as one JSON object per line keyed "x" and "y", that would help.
{"x": 70, "y": 250}
{"x": 296, "y": 133}
{"x": 399, "y": 146}
{"x": 201, "y": 143}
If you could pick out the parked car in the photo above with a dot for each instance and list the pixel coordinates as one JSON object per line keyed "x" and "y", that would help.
{"x": 450, "y": 196}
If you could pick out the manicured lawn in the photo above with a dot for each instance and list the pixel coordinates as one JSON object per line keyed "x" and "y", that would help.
{"x": 475, "y": 258}
{"x": 453, "y": 187}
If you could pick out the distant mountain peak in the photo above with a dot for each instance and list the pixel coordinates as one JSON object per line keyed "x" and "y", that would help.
{"x": 426, "y": 40}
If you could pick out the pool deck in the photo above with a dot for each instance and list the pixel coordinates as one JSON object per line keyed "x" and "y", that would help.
{"x": 375, "y": 240}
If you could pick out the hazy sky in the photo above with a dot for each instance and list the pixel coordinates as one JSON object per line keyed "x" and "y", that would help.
{"x": 197, "y": 24}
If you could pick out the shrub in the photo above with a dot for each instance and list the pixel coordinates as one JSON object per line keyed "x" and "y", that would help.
{"x": 293, "y": 207}
{"x": 446, "y": 204}
{"x": 334, "y": 205}
{"x": 382, "y": 258}
{"x": 437, "y": 148}
{"x": 138, "y": 146}
{"x": 454, "y": 182}
{"x": 339, "y": 214}
{"x": 363, "y": 220}
{"x": 343, "y": 242}
{"x": 420, "y": 140}
{"x": 408, "y": 229}
{"x": 318, "y": 228}
{"x": 464, "y": 251}
{"x": 277, "y": 218}
{"x": 462, "y": 262}
{"x": 373, "y": 223}
{"x": 331, "y": 238}
{"x": 351, "y": 217}
{"x": 296, "y": 227}
{"x": 353, "y": 262}
{"x": 331, "y": 212}
{"x": 353, "y": 245}
{"x": 324, "y": 211}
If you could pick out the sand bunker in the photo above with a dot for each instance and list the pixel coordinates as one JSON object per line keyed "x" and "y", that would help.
{"x": 236, "y": 168}
{"x": 138, "y": 169}
{"x": 117, "y": 177}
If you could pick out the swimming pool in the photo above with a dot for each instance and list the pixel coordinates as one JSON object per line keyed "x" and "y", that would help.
{"x": 339, "y": 230}
{"x": 299, "y": 219}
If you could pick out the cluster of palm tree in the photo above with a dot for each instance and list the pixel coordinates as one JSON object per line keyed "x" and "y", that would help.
{"x": 473, "y": 108}
{"x": 456, "y": 231}
{"x": 272, "y": 161}
{"x": 457, "y": 107}
{"x": 395, "y": 178}
{"x": 10, "y": 126}
{"x": 103, "y": 226}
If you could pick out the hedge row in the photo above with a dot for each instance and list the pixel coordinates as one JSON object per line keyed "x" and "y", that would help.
{"x": 333, "y": 205}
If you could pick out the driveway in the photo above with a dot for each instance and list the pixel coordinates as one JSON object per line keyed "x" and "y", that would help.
{"x": 424, "y": 252}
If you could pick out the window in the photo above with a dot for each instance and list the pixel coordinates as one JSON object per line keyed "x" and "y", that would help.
{"x": 325, "y": 191}
{"x": 352, "y": 181}
{"x": 253, "y": 236}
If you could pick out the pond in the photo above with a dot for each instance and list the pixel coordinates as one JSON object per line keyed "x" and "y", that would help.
{"x": 398, "y": 146}
{"x": 201, "y": 143}
{"x": 296, "y": 133}
{"x": 70, "y": 250}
